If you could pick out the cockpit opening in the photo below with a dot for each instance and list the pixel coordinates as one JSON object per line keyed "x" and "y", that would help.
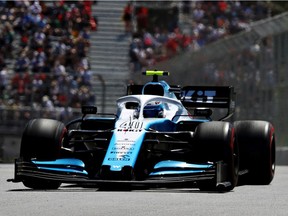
{"x": 132, "y": 105}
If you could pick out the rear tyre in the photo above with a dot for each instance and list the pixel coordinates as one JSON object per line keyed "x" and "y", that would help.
{"x": 216, "y": 142}
{"x": 257, "y": 151}
{"x": 42, "y": 140}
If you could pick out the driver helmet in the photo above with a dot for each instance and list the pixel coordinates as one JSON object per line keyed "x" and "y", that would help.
{"x": 153, "y": 111}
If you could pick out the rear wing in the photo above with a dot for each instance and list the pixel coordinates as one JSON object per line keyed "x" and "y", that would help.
{"x": 209, "y": 97}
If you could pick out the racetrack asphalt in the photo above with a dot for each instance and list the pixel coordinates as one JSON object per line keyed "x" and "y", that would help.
{"x": 246, "y": 200}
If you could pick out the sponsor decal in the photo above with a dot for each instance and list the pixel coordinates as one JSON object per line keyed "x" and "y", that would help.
{"x": 124, "y": 157}
{"x": 116, "y": 166}
{"x": 118, "y": 159}
{"x": 129, "y": 130}
{"x": 123, "y": 148}
{"x": 200, "y": 96}
{"x": 120, "y": 152}
{"x": 125, "y": 141}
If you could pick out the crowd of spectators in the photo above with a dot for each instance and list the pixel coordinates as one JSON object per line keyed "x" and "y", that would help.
{"x": 49, "y": 41}
{"x": 204, "y": 21}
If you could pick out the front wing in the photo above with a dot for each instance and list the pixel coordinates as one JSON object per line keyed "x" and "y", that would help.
{"x": 72, "y": 171}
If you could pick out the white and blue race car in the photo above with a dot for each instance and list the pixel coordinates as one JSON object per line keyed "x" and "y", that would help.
{"x": 161, "y": 135}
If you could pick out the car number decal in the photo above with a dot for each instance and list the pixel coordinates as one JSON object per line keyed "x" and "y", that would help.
{"x": 132, "y": 125}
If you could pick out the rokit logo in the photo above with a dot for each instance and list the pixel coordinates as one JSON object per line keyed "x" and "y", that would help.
{"x": 129, "y": 130}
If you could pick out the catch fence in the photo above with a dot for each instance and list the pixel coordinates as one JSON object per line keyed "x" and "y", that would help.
{"x": 254, "y": 61}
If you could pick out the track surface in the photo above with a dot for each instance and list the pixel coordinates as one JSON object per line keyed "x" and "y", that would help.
{"x": 269, "y": 200}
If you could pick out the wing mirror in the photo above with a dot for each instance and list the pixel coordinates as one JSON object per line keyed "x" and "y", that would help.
{"x": 87, "y": 109}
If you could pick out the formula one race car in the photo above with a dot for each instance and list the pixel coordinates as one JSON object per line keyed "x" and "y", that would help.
{"x": 161, "y": 135}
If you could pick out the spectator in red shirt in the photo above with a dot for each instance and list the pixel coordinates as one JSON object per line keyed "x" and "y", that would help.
{"x": 127, "y": 17}
{"x": 142, "y": 19}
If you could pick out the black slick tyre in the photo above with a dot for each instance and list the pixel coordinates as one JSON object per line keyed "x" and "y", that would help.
{"x": 216, "y": 142}
{"x": 257, "y": 151}
{"x": 42, "y": 140}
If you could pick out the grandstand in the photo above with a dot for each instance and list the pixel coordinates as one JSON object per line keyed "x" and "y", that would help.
{"x": 97, "y": 66}
{"x": 109, "y": 55}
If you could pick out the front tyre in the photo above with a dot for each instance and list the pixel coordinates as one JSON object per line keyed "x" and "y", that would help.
{"x": 216, "y": 143}
{"x": 257, "y": 151}
{"x": 42, "y": 140}
{"x": 40, "y": 184}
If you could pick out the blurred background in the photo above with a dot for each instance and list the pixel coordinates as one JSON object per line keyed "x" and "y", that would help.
{"x": 58, "y": 55}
